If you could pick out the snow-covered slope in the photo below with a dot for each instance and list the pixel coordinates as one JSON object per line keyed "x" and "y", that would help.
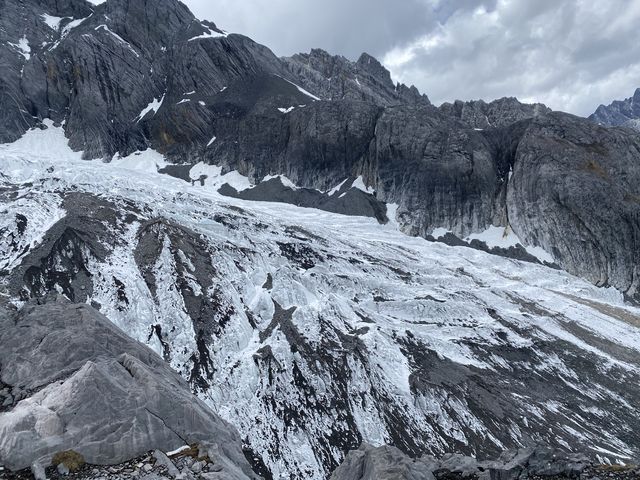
{"x": 312, "y": 332}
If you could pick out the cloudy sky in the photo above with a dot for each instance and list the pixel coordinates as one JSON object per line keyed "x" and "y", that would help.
{"x": 570, "y": 54}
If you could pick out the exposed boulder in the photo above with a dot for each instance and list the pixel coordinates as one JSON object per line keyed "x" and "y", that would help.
{"x": 87, "y": 387}
{"x": 382, "y": 463}
{"x": 368, "y": 463}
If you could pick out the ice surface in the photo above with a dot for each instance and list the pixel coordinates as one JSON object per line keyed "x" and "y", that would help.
{"x": 153, "y": 106}
{"x": 361, "y": 294}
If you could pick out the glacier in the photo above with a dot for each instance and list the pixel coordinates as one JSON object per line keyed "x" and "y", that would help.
{"x": 312, "y": 332}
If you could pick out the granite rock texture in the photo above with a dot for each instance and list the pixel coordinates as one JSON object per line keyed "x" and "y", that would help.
{"x": 80, "y": 383}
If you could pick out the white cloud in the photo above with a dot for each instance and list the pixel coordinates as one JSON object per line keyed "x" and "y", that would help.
{"x": 571, "y": 55}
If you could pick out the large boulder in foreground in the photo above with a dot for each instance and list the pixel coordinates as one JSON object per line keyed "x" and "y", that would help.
{"x": 79, "y": 383}
{"x": 382, "y": 463}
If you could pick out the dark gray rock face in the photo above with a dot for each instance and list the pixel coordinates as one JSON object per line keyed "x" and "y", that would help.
{"x": 103, "y": 68}
{"x": 23, "y": 31}
{"x": 60, "y": 263}
{"x": 499, "y": 113}
{"x": 382, "y": 463}
{"x": 368, "y": 463}
{"x": 345, "y": 201}
{"x": 80, "y": 383}
{"x": 575, "y": 191}
{"x": 619, "y": 113}
{"x": 441, "y": 173}
{"x": 333, "y": 77}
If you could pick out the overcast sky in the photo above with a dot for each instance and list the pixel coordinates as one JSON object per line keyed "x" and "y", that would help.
{"x": 570, "y": 54}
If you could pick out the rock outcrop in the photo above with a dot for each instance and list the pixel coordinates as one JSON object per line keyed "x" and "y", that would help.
{"x": 74, "y": 381}
{"x": 332, "y": 77}
{"x": 574, "y": 191}
{"x": 388, "y": 463}
{"x": 624, "y": 113}
{"x": 499, "y": 113}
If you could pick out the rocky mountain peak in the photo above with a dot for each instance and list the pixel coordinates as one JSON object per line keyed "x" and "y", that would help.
{"x": 371, "y": 65}
{"x": 498, "y": 113}
{"x": 147, "y": 22}
{"x": 334, "y": 77}
{"x": 620, "y": 113}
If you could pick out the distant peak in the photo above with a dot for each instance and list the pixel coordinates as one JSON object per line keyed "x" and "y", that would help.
{"x": 366, "y": 59}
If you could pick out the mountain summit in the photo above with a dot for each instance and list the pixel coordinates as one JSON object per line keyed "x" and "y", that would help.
{"x": 620, "y": 113}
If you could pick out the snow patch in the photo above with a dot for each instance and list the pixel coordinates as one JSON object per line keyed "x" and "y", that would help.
{"x": 337, "y": 188}
{"x": 285, "y": 181}
{"x": 41, "y": 144}
{"x": 52, "y": 22}
{"x": 146, "y": 161}
{"x": 359, "y": 184}
{"x": 153, "y": 106}
{"x": 210, "y": 33}
{"x": 392, "y": 213}
{"x": 215, "y": 178}
{"x": 175, "y": 452}
{"x": 73, "y": 24}
{"x": 505, "y": 238}
{"x": 300, "y": 89}
{"x": 286, "y": 110}
{"x": 23, "y": 47}
{"x": 439, "y": 233}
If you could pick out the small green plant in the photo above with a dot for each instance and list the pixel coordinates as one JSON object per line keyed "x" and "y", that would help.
{"x": 70, "y": 459}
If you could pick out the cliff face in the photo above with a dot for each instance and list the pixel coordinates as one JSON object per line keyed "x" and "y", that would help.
{"x": 499, "y": 113}
{"x": 336, "y": 78}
